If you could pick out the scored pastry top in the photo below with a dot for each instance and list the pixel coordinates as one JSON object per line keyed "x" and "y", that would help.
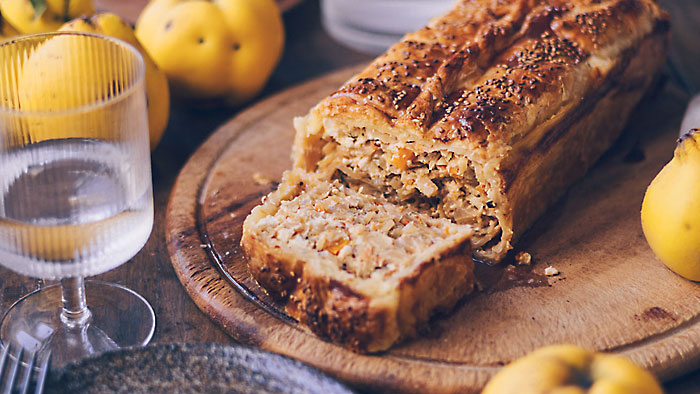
{"x": 472, "y": 74}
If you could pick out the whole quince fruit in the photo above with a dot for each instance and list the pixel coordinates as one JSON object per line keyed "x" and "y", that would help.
{"x": 6, "y": 30}
{"x": 218, "y": 49}
{"x": 45, "y": 88}
{"x": 572, "y": 370}
{"x": 39, "y": 16}
{"x": 157, "y": 92}
{"x": 671, "y": 209}
{"x": 55, "y": 64}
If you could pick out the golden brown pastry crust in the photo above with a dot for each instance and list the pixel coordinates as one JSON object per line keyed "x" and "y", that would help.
{"x": 334, "y": 311}
{"x": 515, "y": 86}
{"x": 538, "y": 44}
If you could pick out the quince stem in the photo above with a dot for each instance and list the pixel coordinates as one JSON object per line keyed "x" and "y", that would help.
{"x": 689, "y": 142}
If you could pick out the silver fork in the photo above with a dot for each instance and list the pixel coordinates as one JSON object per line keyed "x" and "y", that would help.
{"x": 16, "y": 373}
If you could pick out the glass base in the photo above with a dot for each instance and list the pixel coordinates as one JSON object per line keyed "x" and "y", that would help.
{"x": 119, "y": 318}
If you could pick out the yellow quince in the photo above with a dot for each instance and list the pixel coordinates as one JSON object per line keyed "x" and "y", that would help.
{"x": 157, "y": 92}
{"x": 6, "y": 30}
{"x": 671, "y": 209}
{"x": 41, "y": 16}
{"x": 218, "y": 49}
{"x": 46, "y": 89}
{"x": 572, "y": 370}
{"x": 72, "y": 86}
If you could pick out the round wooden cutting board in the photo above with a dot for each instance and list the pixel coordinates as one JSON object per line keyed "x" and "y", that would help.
{"x": 611, "y": 295}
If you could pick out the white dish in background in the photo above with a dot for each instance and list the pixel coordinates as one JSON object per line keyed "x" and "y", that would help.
{"x": 372, "y": 26}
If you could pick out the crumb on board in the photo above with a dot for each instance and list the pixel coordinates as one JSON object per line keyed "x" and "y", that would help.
{"x": 523, "y": 258}
{"x": 551, "y": 271}
{"x": 261, "y": 179}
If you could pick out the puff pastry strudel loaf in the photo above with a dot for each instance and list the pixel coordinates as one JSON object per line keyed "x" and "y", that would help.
{"x": 452, "y": 142}
{"x": 490, "y": 112}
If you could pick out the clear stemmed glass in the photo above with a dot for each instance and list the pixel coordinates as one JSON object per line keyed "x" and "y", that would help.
{"x": 76, "y": 194}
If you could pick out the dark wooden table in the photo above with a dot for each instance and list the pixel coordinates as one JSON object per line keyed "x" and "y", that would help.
{"x": 309, "y": 52}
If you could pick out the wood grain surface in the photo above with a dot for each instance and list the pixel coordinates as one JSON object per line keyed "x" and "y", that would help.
{"x": 612, "y": 294}
{"x": 309, "y": 52}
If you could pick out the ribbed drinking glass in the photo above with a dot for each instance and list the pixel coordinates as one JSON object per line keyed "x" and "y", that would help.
{"x": 76, "y": 194}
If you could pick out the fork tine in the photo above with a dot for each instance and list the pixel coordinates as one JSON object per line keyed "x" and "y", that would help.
{"x": 43, "y": 371}
{"x": 12, "y": 374}
{"x": 3, "y": 357}
{"x": 27, "y": 376}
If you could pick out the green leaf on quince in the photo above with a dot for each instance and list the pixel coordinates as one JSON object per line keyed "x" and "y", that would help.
{"x": 39, "y": 7}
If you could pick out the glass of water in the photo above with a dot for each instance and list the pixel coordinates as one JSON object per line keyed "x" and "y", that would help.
{"x": 76, "y": 194}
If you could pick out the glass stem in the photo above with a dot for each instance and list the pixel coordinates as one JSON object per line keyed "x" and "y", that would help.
{"x": 75, "y": 312}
